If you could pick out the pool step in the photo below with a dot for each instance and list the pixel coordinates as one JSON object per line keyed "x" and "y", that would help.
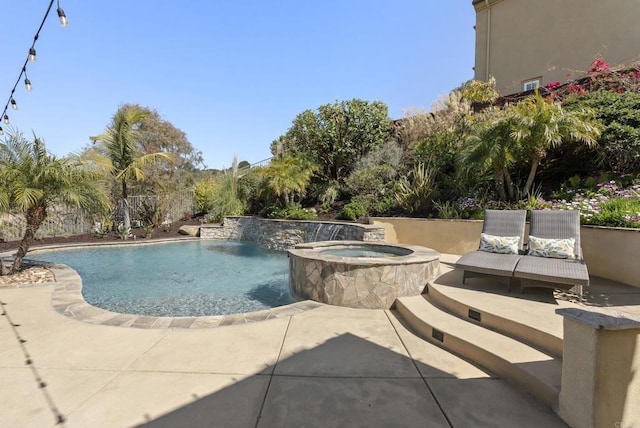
{"x": 535, "y": 371}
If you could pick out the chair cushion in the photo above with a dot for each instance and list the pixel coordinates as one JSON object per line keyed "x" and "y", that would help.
{"x": 552, "y": 248}
{"x": 499, "y": 244}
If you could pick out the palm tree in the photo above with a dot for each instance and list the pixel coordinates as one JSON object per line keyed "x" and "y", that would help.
{"x": 288, "y": 175}
{"x": 32, "y": 181}
{"x": 539, "y": 124}
{"x": 118, "y": 151}
{"x": 489, "y": 147}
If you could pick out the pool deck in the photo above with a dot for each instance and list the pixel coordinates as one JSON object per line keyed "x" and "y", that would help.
{"x": 323, "y": 367}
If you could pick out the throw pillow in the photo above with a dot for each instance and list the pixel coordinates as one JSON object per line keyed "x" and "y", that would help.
{"x": 499, "y": 244}
{"x": 553, "y": 248}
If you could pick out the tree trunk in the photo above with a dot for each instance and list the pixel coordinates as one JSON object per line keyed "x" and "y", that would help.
{"x": 535, "y": 161}
{"x": 125, "y": 206}
{"x": 498, "y": 175}
{"x": 509, "y": 184}
{"x": 35, "y": 216}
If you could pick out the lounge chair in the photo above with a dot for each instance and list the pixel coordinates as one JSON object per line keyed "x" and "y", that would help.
{"x": 548, "y": 268}
{"x": 489, "y": 260}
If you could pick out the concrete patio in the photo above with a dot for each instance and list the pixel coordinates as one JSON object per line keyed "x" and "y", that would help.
{"x": 325, "y": 367}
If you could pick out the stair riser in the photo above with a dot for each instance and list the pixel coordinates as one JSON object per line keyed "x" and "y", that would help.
{"x": 524, "y": 333}
{"x": 482, "y": 357}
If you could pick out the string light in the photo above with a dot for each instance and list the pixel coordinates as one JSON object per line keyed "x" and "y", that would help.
{"x": 31, "y": 57}
{"x": 63, "y": 18}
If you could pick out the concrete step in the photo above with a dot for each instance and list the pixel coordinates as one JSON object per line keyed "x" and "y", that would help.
{"x": 533, "y": 323}
{"x": 536, "y": 372}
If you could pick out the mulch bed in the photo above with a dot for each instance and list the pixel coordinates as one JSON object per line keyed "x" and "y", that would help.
{"x": 158, "y": 233}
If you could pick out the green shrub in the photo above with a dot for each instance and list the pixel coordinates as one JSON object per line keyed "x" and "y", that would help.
{"x": 203, "y": 195}
{"x": 619, "y": 148}
{"x": 575, "y": 181}
{"x": 383, "y": 205}
{"x": 123, "y": 232}
{"x": 226, "y": 206}
{"x": 324, "y": 208}
{"x": 147, "y": 230}
{"x": 373, "y": 179}
{"x": 292, "y": 211}
{"x": 447, "y": 210}
{"x": 154, "y": 209}
{"x": 253, "y": 190}
{"x": 210, "y": 218}
{"x": 226, "y": 199}
{"x": 352, "y": 211}
{"x": 618, "y": 212}
{"x": 416, "y": 191}
{"x": 330, "y": 194}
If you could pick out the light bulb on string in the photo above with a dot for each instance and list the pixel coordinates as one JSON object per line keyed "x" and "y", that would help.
{"x": 1, "y": 131}
{"x": 63, "y": 18}
{"x": 27, "y": 82}
{"x": 6, "y": 119}
{"x": 32, "y": 55}
{"x": 14, "y": 105}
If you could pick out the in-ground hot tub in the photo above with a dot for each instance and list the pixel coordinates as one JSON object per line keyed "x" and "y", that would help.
{"x": 360, "y": 274}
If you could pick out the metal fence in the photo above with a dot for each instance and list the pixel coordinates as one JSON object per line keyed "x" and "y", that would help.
{"x": 65, "y": 221}
{"x": 60, "y": 221}
{"x": 171, "y": 207}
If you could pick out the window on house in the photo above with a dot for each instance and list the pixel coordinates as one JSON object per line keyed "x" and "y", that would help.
{"x": 530, "y": 85}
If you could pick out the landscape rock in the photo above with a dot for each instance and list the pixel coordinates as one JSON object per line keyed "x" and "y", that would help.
{"x": 189, "y": 230}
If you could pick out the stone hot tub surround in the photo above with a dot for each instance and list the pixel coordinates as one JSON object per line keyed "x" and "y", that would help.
{"x": 368, "y": 281}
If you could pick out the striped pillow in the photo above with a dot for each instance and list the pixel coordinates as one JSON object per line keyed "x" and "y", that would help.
{"x": 553, "y": 248}
{"x": 499, "y": 244}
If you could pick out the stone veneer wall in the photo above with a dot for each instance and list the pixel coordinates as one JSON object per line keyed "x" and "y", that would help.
{"x": 285, "y": 234}
{"x": 359, "y": 282}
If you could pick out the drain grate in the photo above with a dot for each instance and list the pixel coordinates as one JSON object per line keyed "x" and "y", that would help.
{"x": 437, "y": 335}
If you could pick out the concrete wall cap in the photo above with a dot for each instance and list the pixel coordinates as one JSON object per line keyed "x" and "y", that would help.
{"x": 602, "y": 318}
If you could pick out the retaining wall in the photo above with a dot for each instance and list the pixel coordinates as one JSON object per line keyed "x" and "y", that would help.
{"x": 285, "y": 234}
{"x": 610, "y": 253}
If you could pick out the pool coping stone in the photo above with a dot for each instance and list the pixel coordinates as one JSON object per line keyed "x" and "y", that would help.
{"x": 67, "y": 300}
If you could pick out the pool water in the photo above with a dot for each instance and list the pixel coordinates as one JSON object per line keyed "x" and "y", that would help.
{"x": 365, "y": 252}
{"x": 195, "y": 278}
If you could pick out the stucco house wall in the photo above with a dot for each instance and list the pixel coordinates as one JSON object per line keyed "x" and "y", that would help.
{"x": 521, "y": 40}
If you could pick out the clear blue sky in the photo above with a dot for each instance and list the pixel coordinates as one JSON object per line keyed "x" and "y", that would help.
{"x": 232, "y": 75}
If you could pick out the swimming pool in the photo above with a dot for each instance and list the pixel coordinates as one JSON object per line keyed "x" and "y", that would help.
{"x": 195, "y": 278}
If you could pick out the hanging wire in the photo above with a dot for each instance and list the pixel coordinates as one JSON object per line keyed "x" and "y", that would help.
{"x": 30, "y": 57}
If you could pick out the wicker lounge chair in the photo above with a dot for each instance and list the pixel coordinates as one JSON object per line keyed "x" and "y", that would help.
{"x": 481, "y": 263}
{"x": 532, "y": 271}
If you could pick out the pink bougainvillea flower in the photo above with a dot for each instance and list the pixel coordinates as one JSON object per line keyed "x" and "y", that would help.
{"x": 599, "y": 66}
{"x": 577, "y": 89}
